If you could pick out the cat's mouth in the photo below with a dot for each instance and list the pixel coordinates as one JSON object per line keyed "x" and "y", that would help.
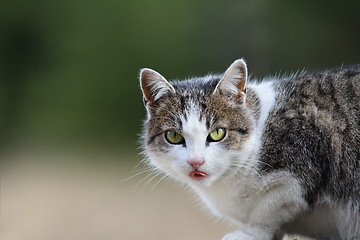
{"x": 197, "y": 174}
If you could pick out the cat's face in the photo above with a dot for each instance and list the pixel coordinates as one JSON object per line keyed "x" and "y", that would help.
{"x": 197, "y": 129}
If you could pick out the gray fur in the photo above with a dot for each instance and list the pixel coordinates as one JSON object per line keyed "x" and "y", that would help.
{"x": 316, "y": 120}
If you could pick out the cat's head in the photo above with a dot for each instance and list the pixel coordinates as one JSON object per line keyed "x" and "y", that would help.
{"x": 198, "y": 130}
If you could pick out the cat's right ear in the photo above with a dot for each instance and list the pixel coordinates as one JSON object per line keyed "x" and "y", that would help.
{"x": 153, "y": 86}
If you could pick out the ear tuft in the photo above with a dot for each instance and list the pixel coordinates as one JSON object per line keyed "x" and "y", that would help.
{"x": 153, "y": 85}
{"x": 234, "y": 80}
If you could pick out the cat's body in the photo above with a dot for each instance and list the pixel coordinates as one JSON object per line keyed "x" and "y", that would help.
{"x": 278, "y": 156}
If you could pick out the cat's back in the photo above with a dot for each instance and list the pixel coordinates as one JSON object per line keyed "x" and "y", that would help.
{"x": 313, "y": 131}
{"x": 330, "y": 90}
{"x": 328, "y": 100}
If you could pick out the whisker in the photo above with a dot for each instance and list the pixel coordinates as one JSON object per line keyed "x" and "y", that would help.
{"x": 247, "y": 166}
{"x": 167, "y": 182}
{"x": 267, "y": 164}
{"x": 138, "y": 164}
{"x": 144, "y": 161}
{"x": 136, "y": 174}
{"x": 153, "y": 187}
{"x": 148, "y": 181}
{"x": 144, "y": 168}
{"x": 142, "y": 180}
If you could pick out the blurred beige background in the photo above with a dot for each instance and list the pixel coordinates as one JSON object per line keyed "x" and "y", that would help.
{"x": 77, "y": 201}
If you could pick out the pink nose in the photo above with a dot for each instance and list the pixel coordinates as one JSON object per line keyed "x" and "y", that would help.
{"x": 196, "y": 163}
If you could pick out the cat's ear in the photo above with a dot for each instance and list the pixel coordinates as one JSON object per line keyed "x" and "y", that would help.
{"x": 233, "y": 82}
{"x": 153, "y": 86}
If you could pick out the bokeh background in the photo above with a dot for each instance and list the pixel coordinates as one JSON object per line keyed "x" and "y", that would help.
{"x": 71, "y": 109}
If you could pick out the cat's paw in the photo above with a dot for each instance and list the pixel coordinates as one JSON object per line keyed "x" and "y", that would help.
{"x": 238, "y": 235}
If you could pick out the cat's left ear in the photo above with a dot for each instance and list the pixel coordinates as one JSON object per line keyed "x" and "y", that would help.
{"x": 153, "y": 86}
{"x": 233, "y": 82}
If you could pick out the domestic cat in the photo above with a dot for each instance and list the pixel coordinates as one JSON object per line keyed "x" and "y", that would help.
{"x": 278, "y": 156}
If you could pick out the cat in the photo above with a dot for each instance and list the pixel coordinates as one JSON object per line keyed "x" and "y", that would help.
{"x": 278, "y": 156}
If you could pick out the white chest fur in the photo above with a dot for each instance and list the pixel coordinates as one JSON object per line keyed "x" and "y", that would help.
{"x": 230, "y": 200}
{"x": 250, "y": 199}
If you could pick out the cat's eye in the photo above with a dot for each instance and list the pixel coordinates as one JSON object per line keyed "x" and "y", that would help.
{"x": 216, "y": 135}
{"x": 174, "y": 137}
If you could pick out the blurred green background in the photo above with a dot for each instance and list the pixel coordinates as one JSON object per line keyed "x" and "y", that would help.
{"x": 69, "y": 68}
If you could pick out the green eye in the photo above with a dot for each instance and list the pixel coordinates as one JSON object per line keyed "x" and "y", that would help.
{"x": 216, "y": 135}
{"x": 174, "y": 137}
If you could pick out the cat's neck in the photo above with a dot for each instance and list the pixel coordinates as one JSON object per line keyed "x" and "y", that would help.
{"x": 265, "y": 95}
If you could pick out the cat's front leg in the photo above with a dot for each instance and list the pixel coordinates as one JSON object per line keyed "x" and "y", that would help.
{"x": 249, "y": 234}
{"x": 238, "y": 235}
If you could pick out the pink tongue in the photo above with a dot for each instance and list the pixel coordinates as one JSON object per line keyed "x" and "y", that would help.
{"x": 197, "y": 174}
